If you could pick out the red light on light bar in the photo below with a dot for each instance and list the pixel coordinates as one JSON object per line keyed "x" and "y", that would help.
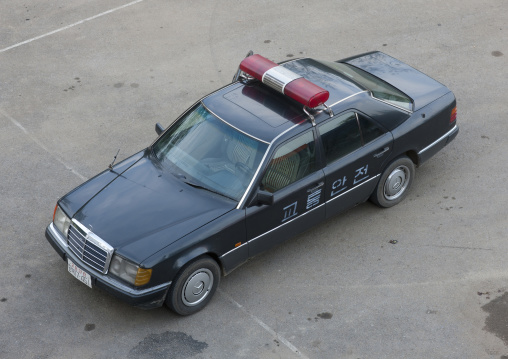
{"x": 256, "y": 66}
{"x": 306, "y": 92}
{"x": 284, "y": 81}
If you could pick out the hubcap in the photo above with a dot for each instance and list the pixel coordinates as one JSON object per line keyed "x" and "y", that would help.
{"x": 396, "y": 183}
{"x": 197, "y": 287}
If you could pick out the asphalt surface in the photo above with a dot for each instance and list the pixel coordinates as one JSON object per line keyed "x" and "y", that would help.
{"x": 80, "y": 80}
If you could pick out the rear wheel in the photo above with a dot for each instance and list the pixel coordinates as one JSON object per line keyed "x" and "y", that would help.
{"x": 194, "y": 286}
{"x": 394, "y": 183}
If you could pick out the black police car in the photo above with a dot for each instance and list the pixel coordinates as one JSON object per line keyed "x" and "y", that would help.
{"x": 272, "y": 154}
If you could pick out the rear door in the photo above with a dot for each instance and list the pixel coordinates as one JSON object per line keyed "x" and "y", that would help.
{"x": 355, "y": 149}
{"x": 296, "y": 181}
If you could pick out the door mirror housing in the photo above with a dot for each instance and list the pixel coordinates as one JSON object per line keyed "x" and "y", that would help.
{"x": 264, "y": 197}
{"x": 159, "y": 129}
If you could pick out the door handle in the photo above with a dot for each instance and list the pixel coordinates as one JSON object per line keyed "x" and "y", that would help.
{"x": 379, "y": 154}
{"x": 319, "y": 185}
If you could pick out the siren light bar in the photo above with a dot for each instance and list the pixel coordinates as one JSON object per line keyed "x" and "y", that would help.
{"x": 285, "y": 81}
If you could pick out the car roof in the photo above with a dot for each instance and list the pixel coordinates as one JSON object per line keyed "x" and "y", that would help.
{"x": 264, "y": 113}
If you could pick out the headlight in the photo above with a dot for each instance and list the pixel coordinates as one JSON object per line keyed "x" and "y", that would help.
{"x": 61, "y": 221}
{"x": 129, "y": 271}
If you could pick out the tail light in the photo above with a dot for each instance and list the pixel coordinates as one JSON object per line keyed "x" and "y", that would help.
{"x": 453, "y": 116}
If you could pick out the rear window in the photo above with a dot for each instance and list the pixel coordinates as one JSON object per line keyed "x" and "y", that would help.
{"x": 379, "y": 88}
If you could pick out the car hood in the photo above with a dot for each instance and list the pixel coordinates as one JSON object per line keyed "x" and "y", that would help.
{"x": 147, "y": 200}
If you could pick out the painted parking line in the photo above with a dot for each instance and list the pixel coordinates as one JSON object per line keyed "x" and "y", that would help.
{"x": 279, "y": 337}
{"x": 272, "y": 332}
{"x": 267, "y": 328}
{"x": 41, "y": 145}
{"x": 69, "y": 26}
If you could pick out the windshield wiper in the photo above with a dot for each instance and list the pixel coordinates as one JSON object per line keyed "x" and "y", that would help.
{"x": 195, "y": 185}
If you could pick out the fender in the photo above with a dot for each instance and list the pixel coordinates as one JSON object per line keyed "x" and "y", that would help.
{"x": 215, "y": 239}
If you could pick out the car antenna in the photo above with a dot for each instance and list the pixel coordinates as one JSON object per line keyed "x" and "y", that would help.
{"x": 114, "y": 159}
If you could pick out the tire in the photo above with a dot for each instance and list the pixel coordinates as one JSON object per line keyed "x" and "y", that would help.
{"x": 394, "y": 183}
{"x": 194, "y": 286}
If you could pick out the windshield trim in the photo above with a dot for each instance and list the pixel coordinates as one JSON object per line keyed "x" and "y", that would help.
{"x": 171, "y": 125}
{"x": 365, "y": 87}
{"x": 392, "y": 104}
{"x": 187, "y": 110}
{"x": 242, "y": 201}
{"x": 241, "y": 195}
{"x": 230, "y": 125}
{"x": 346, "y": 98}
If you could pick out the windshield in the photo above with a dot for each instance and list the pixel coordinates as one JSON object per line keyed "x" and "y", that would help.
{"x": 206, "y": 152}
{"x": 379, "y": 89}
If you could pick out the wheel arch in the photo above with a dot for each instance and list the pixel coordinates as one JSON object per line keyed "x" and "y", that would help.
{"x": 413, "y": 156}
{"x": 194, "y": 255}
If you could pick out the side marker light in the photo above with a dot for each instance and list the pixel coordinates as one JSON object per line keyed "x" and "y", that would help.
{"x": 453, "y": 116}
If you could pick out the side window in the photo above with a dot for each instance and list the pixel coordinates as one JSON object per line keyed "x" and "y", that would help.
{"x": 370, "y": 129}
{"x": 340, "y": 136}
{"x": 292, "y": 161}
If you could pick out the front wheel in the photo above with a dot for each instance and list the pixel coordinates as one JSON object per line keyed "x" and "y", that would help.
{"x": 194, "y": 286}
{"x": 394, "y": 183}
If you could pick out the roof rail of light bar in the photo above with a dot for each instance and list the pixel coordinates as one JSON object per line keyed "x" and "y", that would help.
{"x": 285, "y": 81}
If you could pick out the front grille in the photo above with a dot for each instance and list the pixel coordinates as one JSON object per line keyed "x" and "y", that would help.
{"x": 95, "y": 255}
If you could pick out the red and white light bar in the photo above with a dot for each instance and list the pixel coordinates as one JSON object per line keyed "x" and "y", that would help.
{"x": 285, "y": 81}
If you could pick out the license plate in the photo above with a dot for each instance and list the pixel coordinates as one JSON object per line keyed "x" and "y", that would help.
{"x": 79, "y": 273}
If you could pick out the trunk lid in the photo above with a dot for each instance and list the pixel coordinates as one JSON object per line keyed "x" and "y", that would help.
{"x": 419, "y": 87}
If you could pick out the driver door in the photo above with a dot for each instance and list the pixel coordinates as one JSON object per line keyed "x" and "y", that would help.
{"x": 297, "y": 185}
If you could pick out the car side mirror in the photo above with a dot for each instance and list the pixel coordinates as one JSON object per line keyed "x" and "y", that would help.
{"x": 159, "y": 129}
{"x": 264, "y": 197}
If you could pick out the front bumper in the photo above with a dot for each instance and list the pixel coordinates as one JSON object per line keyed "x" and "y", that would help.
{"x": 147, "y": 298}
